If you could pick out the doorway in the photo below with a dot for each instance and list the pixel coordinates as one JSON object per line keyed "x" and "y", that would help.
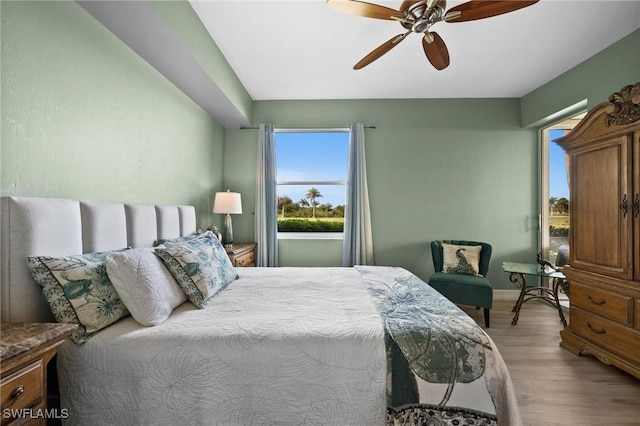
{"x": 555, "y": 203}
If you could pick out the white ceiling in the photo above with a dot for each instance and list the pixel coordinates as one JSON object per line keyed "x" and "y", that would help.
{"x": 305, "y": 50}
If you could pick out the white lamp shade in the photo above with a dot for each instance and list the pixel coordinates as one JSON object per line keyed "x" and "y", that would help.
{"x": 227, "y": 202}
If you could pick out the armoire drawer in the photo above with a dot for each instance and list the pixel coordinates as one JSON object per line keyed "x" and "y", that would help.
{"x": 614, "y": 306}
{"x": 606, "y": 334}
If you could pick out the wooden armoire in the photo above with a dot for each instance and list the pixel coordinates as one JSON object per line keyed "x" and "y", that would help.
{"x": 604, "y": 271}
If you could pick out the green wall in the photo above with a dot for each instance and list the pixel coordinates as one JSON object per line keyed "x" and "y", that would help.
{"x": 438, "y": 169}
{"x": 84, "y": 117}
{"x": 593, "y": 80}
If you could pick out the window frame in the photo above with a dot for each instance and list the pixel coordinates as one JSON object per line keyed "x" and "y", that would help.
{"x": 312, "y": 235}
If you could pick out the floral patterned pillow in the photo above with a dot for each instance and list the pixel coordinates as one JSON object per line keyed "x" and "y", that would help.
{"x": 200, "y": 266}
{"x": 78, "y": 290}
{"x": 461, "y": 259}
{"x": 179, "y": 240}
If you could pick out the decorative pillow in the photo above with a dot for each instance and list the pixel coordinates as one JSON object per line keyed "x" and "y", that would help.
{"x": 461, "y": 259}
{"x": 144, "y": 284}
{"x": 78, "y": 291}
{"x": 200, "y": 266}
{"x": 178, "y": 240}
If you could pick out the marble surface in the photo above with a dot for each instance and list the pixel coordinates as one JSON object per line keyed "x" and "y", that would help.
{"x": 18, "y": 338}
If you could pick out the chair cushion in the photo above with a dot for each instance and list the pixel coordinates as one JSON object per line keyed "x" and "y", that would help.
{"x": 463, "y": 289}
{"x": 460, "y": 279}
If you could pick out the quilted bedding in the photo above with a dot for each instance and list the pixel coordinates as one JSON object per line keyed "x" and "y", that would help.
{"x": 294, "y": 346}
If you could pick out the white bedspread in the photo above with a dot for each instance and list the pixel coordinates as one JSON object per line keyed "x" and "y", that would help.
{"x": 279, "y": 346}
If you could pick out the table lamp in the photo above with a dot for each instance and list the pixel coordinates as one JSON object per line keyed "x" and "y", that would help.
{"x": 227, "y": 203}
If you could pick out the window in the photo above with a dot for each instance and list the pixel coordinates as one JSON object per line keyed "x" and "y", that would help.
{"x": 311, "y": 180}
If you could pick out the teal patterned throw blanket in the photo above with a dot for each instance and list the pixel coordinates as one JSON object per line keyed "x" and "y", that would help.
{"x": 442, "y": 367}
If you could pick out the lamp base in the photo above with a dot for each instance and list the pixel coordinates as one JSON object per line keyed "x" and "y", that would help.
{"x": 227, "y": 236}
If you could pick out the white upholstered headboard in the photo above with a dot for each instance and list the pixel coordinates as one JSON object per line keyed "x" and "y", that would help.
{"x": 55, "y": 227}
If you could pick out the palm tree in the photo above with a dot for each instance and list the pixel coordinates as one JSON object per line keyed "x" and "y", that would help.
{"x": 282, "y": 202}
{"x": 312, "y": 195}
{"x": 552, "y": 205}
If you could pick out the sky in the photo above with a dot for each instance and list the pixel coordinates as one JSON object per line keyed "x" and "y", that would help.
{"x": 557, "y": 171}
{"x": 320, "y": 156}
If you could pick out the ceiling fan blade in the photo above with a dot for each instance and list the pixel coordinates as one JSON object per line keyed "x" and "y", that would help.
{"x": 361, "y": 8}
{"x": 436, "y": 51}
{"x": 473, "y": 10}
{"x": 380, "y": 50}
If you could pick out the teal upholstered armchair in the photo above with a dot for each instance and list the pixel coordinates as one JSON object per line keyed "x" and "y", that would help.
{"x": 460, "y": 288}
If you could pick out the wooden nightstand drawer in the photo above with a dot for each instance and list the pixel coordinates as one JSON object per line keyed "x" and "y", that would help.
{"x": 613, "y": 306}
{"x": 245, "y": 260}
{"x": 242, "y": 255}
{"x": 24, "y": 387}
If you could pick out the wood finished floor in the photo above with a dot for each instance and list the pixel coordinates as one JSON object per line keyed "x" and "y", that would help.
{"x": 555, "y": 387}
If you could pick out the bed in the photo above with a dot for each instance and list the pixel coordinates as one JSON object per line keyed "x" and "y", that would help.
{"x": 368, "y": 345}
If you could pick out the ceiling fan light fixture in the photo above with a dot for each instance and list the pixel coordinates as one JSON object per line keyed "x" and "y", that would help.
{"x": 420, "y": 26}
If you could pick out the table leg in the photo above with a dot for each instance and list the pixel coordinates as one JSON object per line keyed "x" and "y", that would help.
{"x": 518, "y": 279}
{"x": 556, "y": 285}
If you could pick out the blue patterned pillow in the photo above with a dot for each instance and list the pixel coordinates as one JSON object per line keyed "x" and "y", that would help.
{"x": 78, "y": 290}
{"x": 179, "y": 240}
{"x": 200, "y": 266}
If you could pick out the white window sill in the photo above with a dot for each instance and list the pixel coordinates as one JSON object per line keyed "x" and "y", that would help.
{"x": 310, "y": 235}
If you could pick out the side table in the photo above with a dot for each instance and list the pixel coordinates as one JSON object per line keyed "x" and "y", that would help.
{"x": 242, "y": 255}
{"x": 25, "y": 351}
{"x": 518, "y": 272}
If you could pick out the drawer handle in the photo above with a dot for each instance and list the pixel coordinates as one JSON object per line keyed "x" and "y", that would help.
{"x": 596, "y": 302}
{"x": 600, "y": 331}
{"x": 17, "y": 393}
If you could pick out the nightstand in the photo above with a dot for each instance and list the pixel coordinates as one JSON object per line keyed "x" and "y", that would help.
{"x": 242, "y": 255}
{"x": 25, "y": 351}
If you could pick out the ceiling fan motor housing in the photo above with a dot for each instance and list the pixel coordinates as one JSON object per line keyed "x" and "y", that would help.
{"x": 419, "y": 17}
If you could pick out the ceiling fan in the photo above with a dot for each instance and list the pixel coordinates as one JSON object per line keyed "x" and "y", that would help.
{"x": 418, "y": 16}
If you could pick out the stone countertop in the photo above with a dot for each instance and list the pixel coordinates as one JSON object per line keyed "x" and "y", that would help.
{"x": 19, "y": 338}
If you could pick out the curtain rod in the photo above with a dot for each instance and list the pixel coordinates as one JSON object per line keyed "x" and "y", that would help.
{"x": 300, "y": 128}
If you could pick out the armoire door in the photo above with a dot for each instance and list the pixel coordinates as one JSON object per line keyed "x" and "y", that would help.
{"x": 636, "y": 210}
{"x": 602, "y": 207}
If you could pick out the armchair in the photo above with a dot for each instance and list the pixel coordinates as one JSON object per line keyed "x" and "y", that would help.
{"x": 460, "y": 288}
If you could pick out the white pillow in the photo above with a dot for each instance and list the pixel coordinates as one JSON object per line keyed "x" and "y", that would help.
{"x": 144, "y": 284}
